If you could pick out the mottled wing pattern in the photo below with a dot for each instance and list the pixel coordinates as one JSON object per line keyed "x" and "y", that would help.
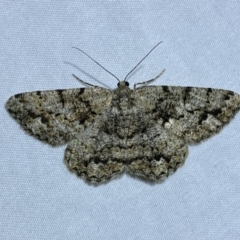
{"x": 144, "y": 131}
{"x": 191, "y": 113}
{"x": 60, "y": 115}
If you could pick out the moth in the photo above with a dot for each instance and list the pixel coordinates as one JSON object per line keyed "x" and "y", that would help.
{"x": 144, "y": 131}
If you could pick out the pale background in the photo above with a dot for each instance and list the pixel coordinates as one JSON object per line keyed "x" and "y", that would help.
{"x": 39, "y": 198}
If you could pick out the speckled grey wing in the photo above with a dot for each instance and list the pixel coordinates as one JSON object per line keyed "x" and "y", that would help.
{"x": 191, "y": 113}
{"x": 58, "y": 116}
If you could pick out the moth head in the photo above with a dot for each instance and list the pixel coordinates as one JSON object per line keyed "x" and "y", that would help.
{"x": 123, "y": 84}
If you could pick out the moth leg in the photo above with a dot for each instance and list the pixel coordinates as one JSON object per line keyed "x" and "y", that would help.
{"x": 149, "y": 81}
{"x": 162, "y": 156}
{"x": 91, "y": 163}
{"x": 85, "y": 83}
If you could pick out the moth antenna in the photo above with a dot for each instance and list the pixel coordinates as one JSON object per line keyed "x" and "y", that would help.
{"x": 141, "y": 60}
{"x": 96, "y": 62}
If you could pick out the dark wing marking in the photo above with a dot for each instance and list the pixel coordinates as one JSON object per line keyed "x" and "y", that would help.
{"x": 191, "y": 113}
{"x": 58, "y": 116}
